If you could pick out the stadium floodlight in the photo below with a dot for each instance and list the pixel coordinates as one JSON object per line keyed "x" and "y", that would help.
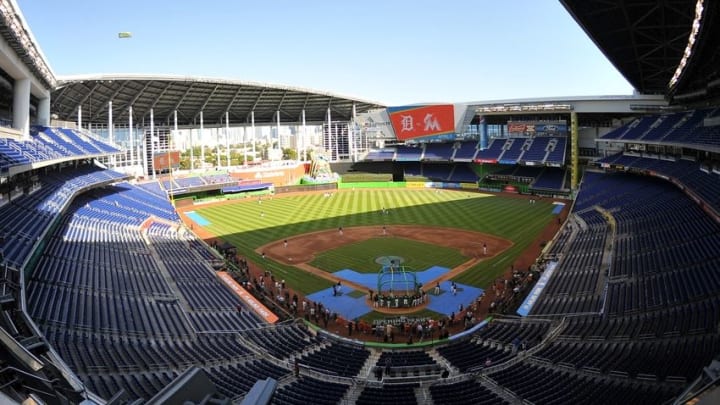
{"x": 124, "y": 34}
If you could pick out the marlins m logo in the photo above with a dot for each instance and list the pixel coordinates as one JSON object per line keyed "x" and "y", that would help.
{"x": 431, "y": 123}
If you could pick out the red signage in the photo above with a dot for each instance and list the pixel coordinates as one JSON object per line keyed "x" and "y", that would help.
{"x": 421, "y": 121}
{"x": 166, "y": 160}
{"x": 244, "y": 295}
{"x": 514, "y": 128}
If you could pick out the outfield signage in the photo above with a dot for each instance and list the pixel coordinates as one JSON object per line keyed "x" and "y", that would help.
{"x": 422, "y": 121}
{"x": 432, "y": 184}
{"x": 531, "y": 129}
{"x": 551, "y": 128}
{"x": 166, "y": 160}
{"x": 532, "y": 298}
{"x": 515, "y": 127}
{"x": 247, "y": 298}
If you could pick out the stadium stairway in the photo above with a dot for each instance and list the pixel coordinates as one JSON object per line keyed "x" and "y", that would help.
{"x": 257, "y": 351}
{"x": 370, "y": 363}
{"x": 549, "y": 149}
{"x": 423, "y": 396}
{"x": 312, "y": 349}
{"x": 352, "y": 394}
{"x": 498, "y": 390}
{"x": 439, "y": 359}
{"x": 506, "y": 147}
{"x": 521, "y": 356}
{"x": 607, "y": 256}
{"x": 169, "y": 280}
{"x": 284, "y": 381}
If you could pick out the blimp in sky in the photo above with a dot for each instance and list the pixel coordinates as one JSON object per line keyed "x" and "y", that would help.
{"x": 125, "y": 34}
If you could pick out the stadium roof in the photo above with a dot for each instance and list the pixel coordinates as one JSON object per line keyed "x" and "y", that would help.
{"x": 189, "y": 95}
{"x": 646, "y": 40}
{"x": 14, "y": 30}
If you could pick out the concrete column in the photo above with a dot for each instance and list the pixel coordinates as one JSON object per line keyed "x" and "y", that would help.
{"x": 152, "y": 144}
{"x": 227, "y": 138}
{"x": 252, "y": 129}
{"x": 202, "y": 144}
{"x": 217, "y": 148}
{"x": 329, "y": 134}
{"x": 337, "y": 141}
{"x": 304, "y": 138}
{"x": 351, "y": 135}
{"x": 111, "y": 135}
{"x": 110, "y": 122}
{"x": 79, "y": 119}
{"x": 277, "y": 125}
{"x": 43, "y": 114}
{"x": 143, "y": 151}
{"x": 175, "y": 130}
{"x": 575, "y": 169}
{"x": 244, "y": 144}
{"x": 483, "y": 134}
{"x": 21, "y": 106}
{"x": 130, "y": 133}
{"x": 192, "y": 152}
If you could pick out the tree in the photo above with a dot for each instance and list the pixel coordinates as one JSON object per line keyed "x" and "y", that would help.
{"x": 289, "y": 154}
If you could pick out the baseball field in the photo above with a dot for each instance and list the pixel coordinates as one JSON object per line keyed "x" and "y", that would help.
{"x": 351, "y": 228}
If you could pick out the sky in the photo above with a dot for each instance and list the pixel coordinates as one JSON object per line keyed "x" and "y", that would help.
{"x": 394, "y": 52}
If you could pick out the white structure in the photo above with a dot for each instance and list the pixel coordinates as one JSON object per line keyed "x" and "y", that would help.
{"x": 29, "y": 70}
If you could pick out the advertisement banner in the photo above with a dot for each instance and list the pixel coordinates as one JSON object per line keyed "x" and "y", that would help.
{"x": 421, "y": 121}
{"x": 551, "y": 128}
{"x": 247, "y": 298}
{"x": 532, "y": 128}
{"x": 415, "y": 184}
{"x": 529, "y": 302}
{"x": 166, "y": 160}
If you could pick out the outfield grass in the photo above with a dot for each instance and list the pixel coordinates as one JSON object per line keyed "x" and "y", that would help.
{"x": 251, "y": 223}
{"x": 361, "y": 256}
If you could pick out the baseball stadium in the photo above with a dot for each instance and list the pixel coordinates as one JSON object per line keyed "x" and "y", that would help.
{"x": 194, "y": 240}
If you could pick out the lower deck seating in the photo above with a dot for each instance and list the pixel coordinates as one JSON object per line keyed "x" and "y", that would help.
{"x": 465, "y": 392}
{"x": 307, "y": 390}
{"x": 338, "y": 358}
{"x": 543, "y": 385}
{"x": 388, "y": 394}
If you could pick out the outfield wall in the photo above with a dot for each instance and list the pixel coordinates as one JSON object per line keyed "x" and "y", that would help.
{"x": 408, "y": 184}
{"x": 373, "y": 184}
{"x": 305, "y": 188}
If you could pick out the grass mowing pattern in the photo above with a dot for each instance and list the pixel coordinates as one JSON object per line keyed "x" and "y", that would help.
{"x": 361, "y": 256}
{"x": 249, "y": 223}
